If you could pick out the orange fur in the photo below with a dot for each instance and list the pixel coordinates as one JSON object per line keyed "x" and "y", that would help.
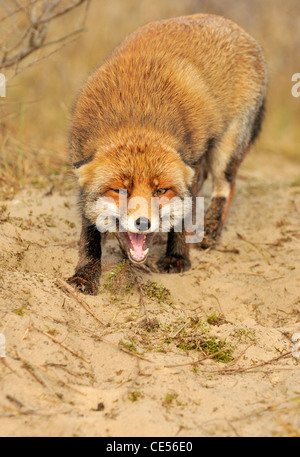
{"x": 176, "y": 99}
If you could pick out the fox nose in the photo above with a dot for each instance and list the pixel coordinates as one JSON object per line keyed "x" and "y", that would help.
{"x": 143, "y": 224}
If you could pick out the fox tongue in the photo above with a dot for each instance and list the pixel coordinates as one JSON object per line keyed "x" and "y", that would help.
{"x": 137, "y": 241}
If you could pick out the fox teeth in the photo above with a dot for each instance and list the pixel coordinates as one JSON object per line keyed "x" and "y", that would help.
{"x": 132, "y": 253}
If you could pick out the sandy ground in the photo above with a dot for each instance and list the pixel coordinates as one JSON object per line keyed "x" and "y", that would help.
{"x": 122, "y": 363}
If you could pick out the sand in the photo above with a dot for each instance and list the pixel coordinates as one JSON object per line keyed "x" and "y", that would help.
{"x": 137, "y": 360}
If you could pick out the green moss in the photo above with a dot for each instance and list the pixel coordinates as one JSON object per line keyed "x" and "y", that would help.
{"x": 51, "y": 331}
{"x": 169, "y": 399}
{"x": 295, "y": 182}
{"x": 4, "y": 215}
{"x": 157, "y": 292}
{"x": 190, "y": 346}
{"x": 130, "y": 346}
{"x": 199, "y": 324}
{"x": 119, "y": 280}
{"x": 243, "y": 334}
{"x": 213, "y": 345}
{"x": 20, "y": 311}
{"x": 207, "y": 345}
{"x": 214, "y": 319}
{"x": 70, "y": 224}
{"x": 135, "y": 395}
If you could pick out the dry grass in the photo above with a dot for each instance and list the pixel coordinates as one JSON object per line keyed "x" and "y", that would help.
{"x": 37, "y": 107}
{"x": 24, "y": 164}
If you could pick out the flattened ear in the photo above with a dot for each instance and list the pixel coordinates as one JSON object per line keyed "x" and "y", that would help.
{"x": 93, "y": 172}
{"x": 82, "y": 162}
{"x": 82, "y": 174}
{"x": 188, "y": 175}
{"x": 89, "y": 172}
{"x": 81, "y": 171}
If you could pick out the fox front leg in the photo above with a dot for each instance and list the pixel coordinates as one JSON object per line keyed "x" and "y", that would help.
{"x": 215, "y": 218}
{"x": 224, "y": 158}
{"x": 88, "y": 269}
{"x": 176, "y": 258}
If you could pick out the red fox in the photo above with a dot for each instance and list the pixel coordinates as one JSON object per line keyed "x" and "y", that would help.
{"x": 176, "y": 100}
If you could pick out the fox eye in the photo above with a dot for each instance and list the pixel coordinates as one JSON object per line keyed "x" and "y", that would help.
{"x": 159, "y": 192}
{"x": 120, "y": 191}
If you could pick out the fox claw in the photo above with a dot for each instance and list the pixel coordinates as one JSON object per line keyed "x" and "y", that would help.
{"x": 84, "y": 283}
{"x": 211, "y": 236}
{"x": 172, "y": 264}
{"x": 207, "y": 242}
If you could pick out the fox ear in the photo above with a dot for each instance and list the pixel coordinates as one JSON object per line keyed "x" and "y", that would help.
{"x": 93, "y": 172}
{"x": 80, "y": 169}
{"x": 82, "y": 174}
{"x": 82, "y": 162}
{"x": 86, "y": 170}
{"x": 188, "y": 175}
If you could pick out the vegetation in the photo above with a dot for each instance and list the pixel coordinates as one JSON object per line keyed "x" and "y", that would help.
{"x": 34, "y": 153}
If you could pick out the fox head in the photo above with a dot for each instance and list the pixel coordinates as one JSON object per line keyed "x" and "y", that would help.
{"x": 135, "y": 190}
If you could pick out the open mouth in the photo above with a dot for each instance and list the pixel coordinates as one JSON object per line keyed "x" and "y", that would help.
{"x": 137, "y": 244}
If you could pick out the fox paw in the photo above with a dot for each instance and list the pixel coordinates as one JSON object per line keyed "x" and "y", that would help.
{"x": 207, "y": 242}
{"x": 211, "y": 236}
{"x": 84, "y": 283}
{"x": 173, "y": 264}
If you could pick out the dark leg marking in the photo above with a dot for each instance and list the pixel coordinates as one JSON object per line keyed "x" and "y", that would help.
{"x": 176, "y": 258}
{"x": 213, "y": 222}
{"x": 256, "y": 128}
{"x": 86, "y": 277}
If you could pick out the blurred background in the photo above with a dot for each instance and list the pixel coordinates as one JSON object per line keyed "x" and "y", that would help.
{"x": 53, "y": 57}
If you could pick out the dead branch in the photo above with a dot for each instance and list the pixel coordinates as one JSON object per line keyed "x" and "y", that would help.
{"x": 258, "y": 248}
{"x": 36, "y": 365}
{"x": 28, "y": 28}
{"x": 61, "y": 344}
{"x": 70, "y": 292}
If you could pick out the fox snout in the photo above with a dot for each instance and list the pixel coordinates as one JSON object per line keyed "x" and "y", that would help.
{"x": 140, "y": 221}
{"x": 142, "y": 214}
{"x": 143, "y": 224}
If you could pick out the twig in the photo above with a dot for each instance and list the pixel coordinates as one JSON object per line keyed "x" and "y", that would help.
{"x": 61, "y": 12}
{"x": 180, "y": 330}
{"x": 61, "y": 344}
{"x": 101, "y": 338}
{"x": 218, "y": 301}
{"x": 18, "y": 403}
{"x": 38, "y": 60}
{"x": 69, "y": 291}
{"x": 16, "y": 355}
{"x": 7, "y": 366}
{"x": 115, "y": 345}
{"x": 259, "y": 249}
{"x": 12, "y": 13}
{"x": 240, "y": 355}
{"x": 292, "y": 432}
{"x": 33, "y": 36}
{"x": 267, "y": 362}
{"x": 262, "y": 276}
{"x": 201, "y": 267}
{"x": 229, "y": 370}
{"x": 229, "y": 251}
{"x": 31, "y": 372}
{"x": 141, "y": 292}
{"x": 195, "y": 362}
